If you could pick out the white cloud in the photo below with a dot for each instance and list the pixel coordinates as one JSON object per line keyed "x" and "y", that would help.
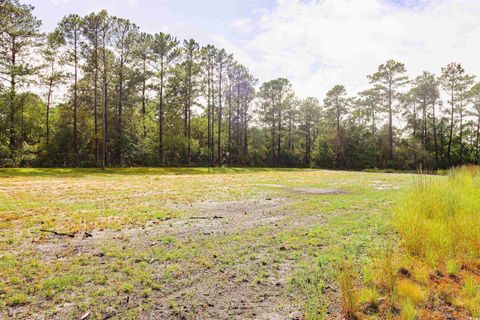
{"x": 317, "y": 44}
{"x": 59, "y": 2}
{"x": 242, "y": 26}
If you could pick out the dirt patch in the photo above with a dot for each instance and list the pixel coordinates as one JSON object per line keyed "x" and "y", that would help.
{"x": 209, "y": 294}
{"x": 200, "y": 219}
{"x": 382, "y": 186}
{"x": 225, "y": 295}
{"x": 212, "y": 217}
{"x": 270, "y": 185}
{"x": 316, "y": 191}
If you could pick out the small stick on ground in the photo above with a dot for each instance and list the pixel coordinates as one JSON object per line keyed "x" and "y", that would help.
{"x": 207, "y": 218}
{"x": 70, "y": 235}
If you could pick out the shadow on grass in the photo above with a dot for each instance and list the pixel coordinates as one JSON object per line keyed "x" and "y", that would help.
{"x": 81, "y": 172}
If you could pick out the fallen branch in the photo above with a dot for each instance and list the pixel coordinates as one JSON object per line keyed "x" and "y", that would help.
{"x": 207, "y": 218}
{"x": 87, "y": 235}
{"x": 70, "y": 235}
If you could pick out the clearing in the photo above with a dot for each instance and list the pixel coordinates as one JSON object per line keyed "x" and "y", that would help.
{"x": 185, "y": 243}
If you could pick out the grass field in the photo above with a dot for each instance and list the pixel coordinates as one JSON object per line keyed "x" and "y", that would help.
{"x": 189, "y": 243}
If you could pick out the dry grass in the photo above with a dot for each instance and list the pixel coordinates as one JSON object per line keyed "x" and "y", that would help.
{"x": 434, "y": 272}
{"x": 438, "y": 221}
{"x": 347, "y": 282}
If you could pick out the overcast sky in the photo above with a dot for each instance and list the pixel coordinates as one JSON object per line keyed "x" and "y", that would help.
{"x": 315, "y": 44}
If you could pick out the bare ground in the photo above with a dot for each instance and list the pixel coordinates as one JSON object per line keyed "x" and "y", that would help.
{"x": 212, "y": 293}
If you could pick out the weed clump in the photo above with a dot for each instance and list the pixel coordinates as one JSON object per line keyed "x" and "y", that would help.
{"x": 17, "y": 299}
{"x": 411, "y": 291}
{"x": 347, "y": 282}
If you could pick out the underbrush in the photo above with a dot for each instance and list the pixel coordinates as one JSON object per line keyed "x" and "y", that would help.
{"x": 434, "y": 272}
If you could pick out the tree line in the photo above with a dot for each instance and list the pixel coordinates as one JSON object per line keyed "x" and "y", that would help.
{"x": 97, "y": 91}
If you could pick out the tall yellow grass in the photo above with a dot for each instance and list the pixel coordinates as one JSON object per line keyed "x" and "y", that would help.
{"x": 439, "y": 219}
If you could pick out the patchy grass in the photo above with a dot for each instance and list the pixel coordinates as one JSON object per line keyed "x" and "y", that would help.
{"x": 260, "y": 250}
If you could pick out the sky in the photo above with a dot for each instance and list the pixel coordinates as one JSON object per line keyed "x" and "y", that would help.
{"x": 316, "y": 44}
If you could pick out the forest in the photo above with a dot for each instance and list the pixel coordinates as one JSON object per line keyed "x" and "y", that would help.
{"x": 99, "y": 92}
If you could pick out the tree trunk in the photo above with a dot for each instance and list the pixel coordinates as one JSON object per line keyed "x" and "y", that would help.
{"x": 279, "y": 137}
{"x": 144, "y": 89}
{"x": 209, "y": 117}
{"x": 245, "y": 133}
{"x": 161, "y": 155}
{"x": 187, "y": 112}
{"x": 461, "y": 132}
{"x": 105, "y": 110}
{"x": 414, "y": 133}
{"x": 229, "y": 138}
{"x": 212, "y": 86}
{"x": 12, "y": 99}
{"x": 237, "y": 122}
{"x": 338, "y": 146}
{"x": 424, "y": 124}
{"x": 390, "y": 123}
{"x": 75, "y": 106}
{"x": 450, "y": 138}
{"x": 273, "y": 133}
{"x": 23, "y": 133}
{"x": 219, "y": 151}
{"x": 290, "y": 131}
{"x": 307, "y": 145}
{"x": 189, "y": 134}
{"x": 120, "y": 115}
{"x": 95, "y": 101}
{"x": 374, "y": 128}
{"x": 47, "y": 124}
{"x": 434, "y": 124}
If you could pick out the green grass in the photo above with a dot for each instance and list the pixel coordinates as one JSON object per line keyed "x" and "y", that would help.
{"x": 59, "y": 277}
{"x": 135, "y": 171}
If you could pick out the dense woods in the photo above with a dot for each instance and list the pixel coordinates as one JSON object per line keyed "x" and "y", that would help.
{"x": 97, "y": 91}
